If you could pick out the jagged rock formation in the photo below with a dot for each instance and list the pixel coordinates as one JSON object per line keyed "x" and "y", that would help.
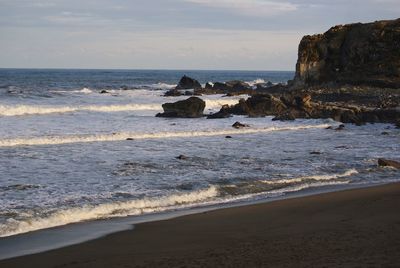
{"x": 303, "y": 107}
{"x": 354, "y": 54}
{"x": 189, "y": 108}
{"x": 188, "y": 83}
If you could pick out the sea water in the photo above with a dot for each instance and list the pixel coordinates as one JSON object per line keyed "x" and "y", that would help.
{"x": 70, "y": 154}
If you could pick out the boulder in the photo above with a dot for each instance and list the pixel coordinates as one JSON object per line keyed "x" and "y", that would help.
{"x": 237, "y": 85}
{"x": 263, "y": 105}
{"x": 182, "y": 157}
{"x": 220, "y": 87}
{"x": 388, "y": 163}
{"x": 239, "y": 125}
{"x": 189, "y": 108}
{"x": 188, "y": 83}
{"x": 223, "y": 113}
{"x": 354, "y": 54}
{"x": 286, "y": 116}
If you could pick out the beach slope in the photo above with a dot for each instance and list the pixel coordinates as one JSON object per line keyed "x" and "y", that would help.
{"x": 353, "y": 228}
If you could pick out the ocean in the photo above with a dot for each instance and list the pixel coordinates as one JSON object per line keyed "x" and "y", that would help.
{"x": 65, "y": 157}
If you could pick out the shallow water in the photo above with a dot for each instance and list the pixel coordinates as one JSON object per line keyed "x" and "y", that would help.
{"x": 64, "y": 156}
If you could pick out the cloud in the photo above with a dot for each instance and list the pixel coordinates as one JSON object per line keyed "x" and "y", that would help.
{"x": 249, "y": 7}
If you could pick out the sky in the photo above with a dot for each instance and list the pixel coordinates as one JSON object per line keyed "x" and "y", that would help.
{"x": 171, "y": 34}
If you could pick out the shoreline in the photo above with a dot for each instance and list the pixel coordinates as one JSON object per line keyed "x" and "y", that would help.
{"x": 52, "y": 238}
{"x": 196, "y": 236}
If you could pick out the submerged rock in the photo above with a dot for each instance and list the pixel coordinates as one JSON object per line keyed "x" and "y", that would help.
{"x": 388, "y": 163}
{"x": 182, "y": 157}
{"x": 189, "y": 108}
{"x": 239, "y": 125}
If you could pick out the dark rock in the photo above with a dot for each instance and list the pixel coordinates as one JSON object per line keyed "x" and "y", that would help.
{"x": 104, "y": 92}
{"x": 188, "y": 83}
{"x": 340, "y": 127}
{"x": 220, "y": 87}
{"x": 189, "y": 108}
{"x": 182, "y": 157}
{"x": 256, "y": 106}
{"x": 239, "y": 125}
{"x": 355, "y": 54}
{"x": 330, "y": 127}
{"x": 129, "y": 139}
{"x": 388, "y": 163}
{"x": 237, "y": 85}
{"x": 385, "y": 133}
{"x": 263, "y": 105}
{"x": 208, "y": 86}
{"x": 315, "y": 153}
{"x": 223, "y": 113}
{"x": 188, "y": 93}
{"x": 173, "y": 93}
{"x": 228, "y": 137}
{"x": 287, "y": 116}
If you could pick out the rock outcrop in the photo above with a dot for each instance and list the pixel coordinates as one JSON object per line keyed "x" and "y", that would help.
{"x": 303, "y": 107}
{"x": 354, "y": 54}
{"x": 188, "y": 83}
{"x": 388, "y": 163}
{"x": 255, "y": 106}
{"x": 231, "y": 88}
{"x": 189, "y": 108}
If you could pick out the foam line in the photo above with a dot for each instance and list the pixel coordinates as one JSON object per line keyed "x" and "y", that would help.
{"x": 55, "y": 140}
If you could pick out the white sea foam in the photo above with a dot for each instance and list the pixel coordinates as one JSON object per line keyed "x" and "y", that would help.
{"x": 256, "y": 81}
{"x": 213, "y": 104}
{"x": 116, "y": 209}
{"x": 54, "y": 140}
{"x": 163, "y": 86}
{"x": 325, "y": 177}
{"x": 40, "y": 110}
{"x": 19, "y": 110}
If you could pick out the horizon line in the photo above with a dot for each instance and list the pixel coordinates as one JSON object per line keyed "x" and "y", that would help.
{"x": 139, "y": 69}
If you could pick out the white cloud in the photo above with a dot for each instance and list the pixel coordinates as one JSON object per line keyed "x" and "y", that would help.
{"x": 249, "y": 7}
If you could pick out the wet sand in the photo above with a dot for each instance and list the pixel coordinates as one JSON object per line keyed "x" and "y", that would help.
{"x": 353, "y": 228}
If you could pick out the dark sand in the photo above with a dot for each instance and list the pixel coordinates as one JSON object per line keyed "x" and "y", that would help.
{"x": 354, "y": 228}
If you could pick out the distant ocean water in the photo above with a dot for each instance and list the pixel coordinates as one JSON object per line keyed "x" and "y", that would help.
{"x": 65, "y": 157}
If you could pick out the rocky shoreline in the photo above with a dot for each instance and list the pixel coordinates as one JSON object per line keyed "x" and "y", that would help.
{"x": 351, "y": 74}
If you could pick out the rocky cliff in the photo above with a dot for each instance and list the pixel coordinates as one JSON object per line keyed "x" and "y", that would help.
{"x": 354, "y": 54}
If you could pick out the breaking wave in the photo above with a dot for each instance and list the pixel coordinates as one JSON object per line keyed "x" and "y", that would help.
{"x": 210, "y": 196}
{"x": 19, "y": 110}
{"x": 54, "y": 140}
{"x": 102, "y": 211}
{"x": 315, "y": 177}
{"x": 40, "y": 110}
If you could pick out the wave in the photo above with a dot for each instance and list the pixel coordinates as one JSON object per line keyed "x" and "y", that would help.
{"x": 55, "y": 140}
{"x": 255, "y": 82}
{"x": 41, "y": 110}
{"x": 314, "y": 177}
{"x": 19, "y": 110}
{"x": 209, "y": 196}
{"x": 102, "y": 211}
{"x": 285, "y": 185}
{"x": 163, "y": 86}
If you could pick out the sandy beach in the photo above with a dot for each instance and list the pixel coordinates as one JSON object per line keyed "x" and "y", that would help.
{"x": 352, "y": 228}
